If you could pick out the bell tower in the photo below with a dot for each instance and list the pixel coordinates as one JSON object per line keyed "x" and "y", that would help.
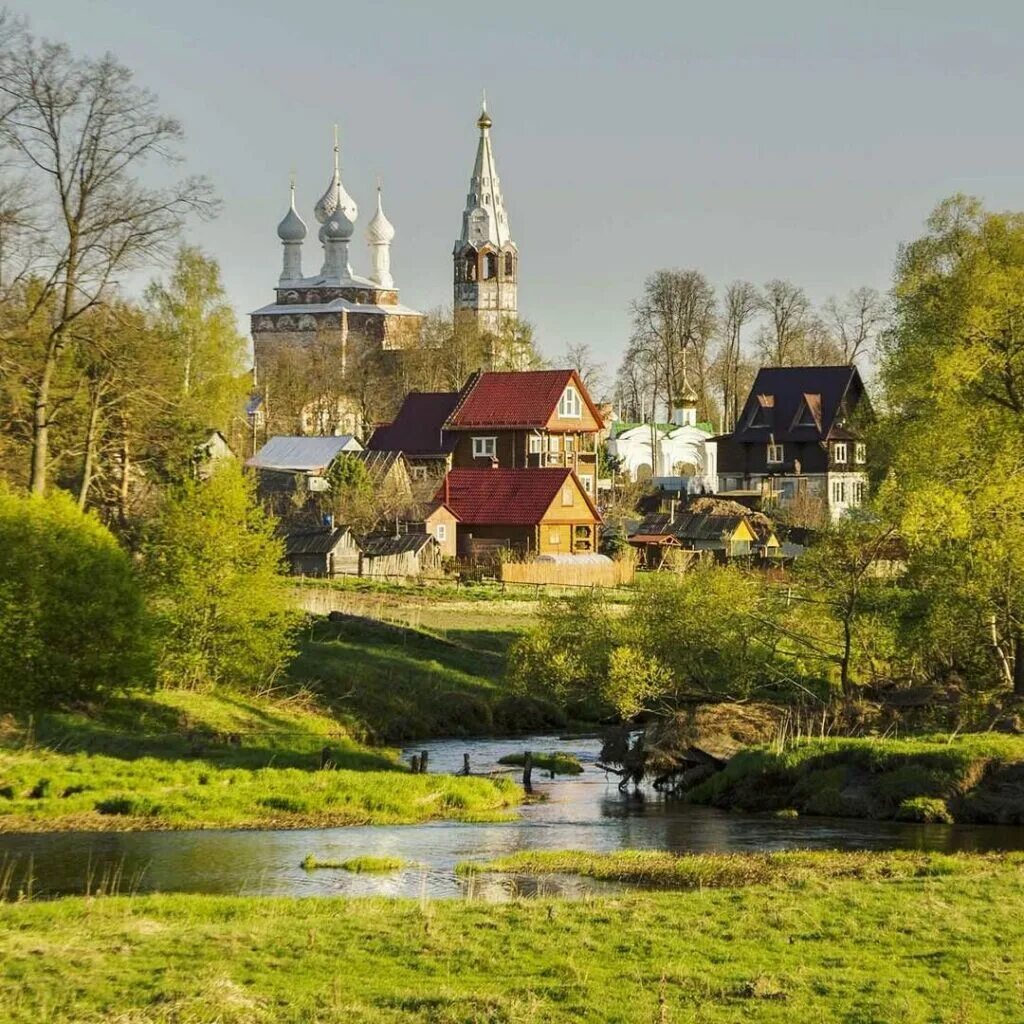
{"x": 486, "y": 260}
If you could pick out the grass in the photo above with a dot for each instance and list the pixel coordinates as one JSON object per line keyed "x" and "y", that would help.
{"x": 932, "y": 948}
{"x": 736, "y": 870}
{"x": 178, "y": 759}
{"x": 968, "y": 778}
{"x": 398, "y": 683}
{"x": 556, "y": 763}
{"x": 357, "y": 865}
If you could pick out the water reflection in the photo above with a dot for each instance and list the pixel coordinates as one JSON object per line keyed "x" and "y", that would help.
{"x": 584, "y": 813}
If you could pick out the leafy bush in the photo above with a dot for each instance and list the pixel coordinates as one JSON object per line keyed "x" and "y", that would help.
{"x": 212, "y": 567}
{"x": 72, "y": 617}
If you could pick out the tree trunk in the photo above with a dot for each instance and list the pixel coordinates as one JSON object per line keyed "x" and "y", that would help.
{"x": 844, "y": 665}
{"x": 122, "y": 491}
{"x": 1018, "y": 664}
{"x": 89, "y": 457}
{"x": 41, "y": 420}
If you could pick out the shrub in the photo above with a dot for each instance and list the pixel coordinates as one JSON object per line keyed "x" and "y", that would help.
{"x": 926, "y": 809}
{"x": 212, "y": 570}
{"x": 73, "y": 624}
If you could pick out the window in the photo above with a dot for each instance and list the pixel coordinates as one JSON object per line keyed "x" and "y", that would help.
{"x": 569, "y": 405}
{"x": 806, "y": 417}
{"x": 419, "y": 472}
{"x": 857, "y": 492}
{"x": 566, "y": 495}
{"x": 838, "y": 492}
{"x": 509, "y": 266}
{"x": 484, "y": 447}
{"x": 588, "y": 483}
{"x": 569, "y": 443}
{"x": 839, "y": 452}
{"x": 441, "y": 531}
{"x": 776, "y": 453}
{"x": 536, "y": 444}
{"x": 554, "y": 443}
{"x": 761, "y": 414}
{"x": 490, "y": 266}
{"x": 555, "y": 538}
{"x": 860, "y": 453}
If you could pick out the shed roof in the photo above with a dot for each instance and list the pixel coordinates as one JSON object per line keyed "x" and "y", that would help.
{"x": 506, "y": 497}
{"x": 302, "y": 454}
{"x": 381, "y": 545}
{"x": 320, "y": 541}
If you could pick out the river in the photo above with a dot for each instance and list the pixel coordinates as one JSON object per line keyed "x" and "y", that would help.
{"x": 586, "y": 812}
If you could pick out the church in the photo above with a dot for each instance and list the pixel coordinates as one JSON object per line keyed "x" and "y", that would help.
{"x": 335, "y": 306}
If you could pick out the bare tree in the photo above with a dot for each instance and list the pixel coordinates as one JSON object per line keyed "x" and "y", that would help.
{"x": 857, "y": 321}
{"x": 740, "y": 305}
{"x": 787, "y": 308}
{"x": 80, "y": 131}
{"x": 580, "y": 357}
{"x": 674, "y": 323}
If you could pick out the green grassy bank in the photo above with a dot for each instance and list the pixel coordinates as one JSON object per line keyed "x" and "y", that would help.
{"x": 970, "y": 778}
{"x": 940, "y": 948}
{"x": 394, "y": 683}
{"x": 179, "y": 759}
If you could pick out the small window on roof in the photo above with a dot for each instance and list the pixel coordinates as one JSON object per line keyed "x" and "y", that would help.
{"x": 570, "y": 406}
{"x": 806, "y": 417}
{"x": 567, "y": 495}
{"x": 761, "y": 415}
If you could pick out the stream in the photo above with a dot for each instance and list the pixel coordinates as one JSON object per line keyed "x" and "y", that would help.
{"x": 585, "y": 812}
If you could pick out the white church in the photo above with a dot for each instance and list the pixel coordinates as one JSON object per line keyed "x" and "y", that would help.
{"x": 676, "y": 456}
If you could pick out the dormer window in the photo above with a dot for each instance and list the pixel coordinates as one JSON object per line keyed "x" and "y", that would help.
{"x": 570, "y": 406}
{"x": 839, "y": 454}
{"x": 761, "y": 414}
{"x": 806, "y": 416}
{"x": 860, "y": 453}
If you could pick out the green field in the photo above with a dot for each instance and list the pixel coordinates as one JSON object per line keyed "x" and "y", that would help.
{"x": 942, "y": 948}
{"x": 179, "y": 759}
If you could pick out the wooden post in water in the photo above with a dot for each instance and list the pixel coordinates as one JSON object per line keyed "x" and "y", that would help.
{"x": 423, "y": 762}
{"x": 528, "y": 772}
{"x": 465, "y": 764}
{"x": 414, "y": 764}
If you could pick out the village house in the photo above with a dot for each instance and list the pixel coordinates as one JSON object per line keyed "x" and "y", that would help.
{"x": 288, "y": 464}
{"x": 528, "y": 511}
{"x": 724, "y": 536}
{"x": 323, "y": 551}
{"x": 438, "y": 520}
{"x": 799, "y": 439}
{"x": 515, "y": 420}
{"x": 401, "y": 554}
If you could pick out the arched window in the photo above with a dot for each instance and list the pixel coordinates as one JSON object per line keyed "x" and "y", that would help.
{"x": 490, "y": 266}
{"x": 510, "y": 266}
{"x": 471, "y": 267}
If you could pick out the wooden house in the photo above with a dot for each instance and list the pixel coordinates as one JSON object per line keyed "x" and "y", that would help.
{"x": 529, "y": 511}
{"x": 537, "y": 419}
{"x": 324, "y": 551}
{"x": 440, "y": 522}
{"x": 799, "y": 438}
{"x": 403, "y": 554}
{"x": 726, "y": 536}
{"x": 287, "y": 464}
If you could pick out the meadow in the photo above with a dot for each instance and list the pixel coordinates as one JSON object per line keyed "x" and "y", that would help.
{"x": 924, "y": 947}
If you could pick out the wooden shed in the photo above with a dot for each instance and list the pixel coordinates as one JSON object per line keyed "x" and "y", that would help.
{"x": 324, "y": 551}
{"x": 408, "y": 554}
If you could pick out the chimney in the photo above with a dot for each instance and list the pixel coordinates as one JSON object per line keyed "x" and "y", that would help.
{"x": 672, "y": 512}
{"x": 494, "y": 462}
{"x": 446, "y": 491}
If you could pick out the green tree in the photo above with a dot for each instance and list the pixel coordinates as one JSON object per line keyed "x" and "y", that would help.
{"x": 73, "y": 624}
{"x": 953, "y": 373}
{"x": 212, "y": 565}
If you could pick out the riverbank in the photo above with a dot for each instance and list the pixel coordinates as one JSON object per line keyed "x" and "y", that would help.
{"x": 175, "y": 759}
{"x": 969, "y": 778}
{"x": 925, "y": 948}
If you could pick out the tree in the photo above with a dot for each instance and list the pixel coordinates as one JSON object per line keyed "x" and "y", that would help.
{"x": 77, "y": 132}
{"x": 787, "y": 308}
{"x": 857, "y": 321}
{"x": 211, "y": 563}
{"x": 580, "y": 357}
{"x": 953, "y": 377}
{"x": 73, "y": 623}
{"x": 740, "y": 305}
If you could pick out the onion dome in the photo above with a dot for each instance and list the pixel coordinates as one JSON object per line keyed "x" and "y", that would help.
{"x": 337, "y": 227}
{"x": 336, "y": 197}
{"x": 380, "y": 230}
{"x": 293, "y": 227}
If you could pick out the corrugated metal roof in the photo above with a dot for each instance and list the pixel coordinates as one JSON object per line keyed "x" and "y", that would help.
{"x": 314, "y": 542}
{"x": 302, "y": 454}
{"x": 378, "y": 546}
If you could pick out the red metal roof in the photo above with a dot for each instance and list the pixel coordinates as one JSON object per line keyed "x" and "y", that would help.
{"x": 505, "y": 497}
{"x": 525, "y": 398}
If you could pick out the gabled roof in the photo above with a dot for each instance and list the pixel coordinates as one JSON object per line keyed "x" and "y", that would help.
{"x": 689, "y": 526}
{"x": 302, "y": 454}
{"x": 521, "y": 399}
{"x": 320, "y": 541}
{"x": 380, "y": 545}
{"x": 781, "y": 394}
{"x": 506, "y": 497}
{"x": 418, "y": 430}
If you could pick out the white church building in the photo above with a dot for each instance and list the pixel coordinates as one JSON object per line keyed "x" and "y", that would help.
{"x": 677, "y": 456}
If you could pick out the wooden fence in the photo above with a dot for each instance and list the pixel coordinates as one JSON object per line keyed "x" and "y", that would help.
{"x": 615, "y": 573}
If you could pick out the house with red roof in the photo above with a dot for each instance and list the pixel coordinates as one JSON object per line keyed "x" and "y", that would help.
{"x": 529, "y": 511}
{"x": 533, "y": 419}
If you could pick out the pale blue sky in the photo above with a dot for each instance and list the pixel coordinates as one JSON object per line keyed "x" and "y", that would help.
{"x": 792, "y": 139}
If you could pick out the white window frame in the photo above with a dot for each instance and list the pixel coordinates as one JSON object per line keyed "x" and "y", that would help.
{"x": 567, "y": 496}
{"x": 776, "y": 454}
{"x": 554, "y": 537}
{"x": 570, "y": 405}
{"x": 419, "y": 472}
{"x": 485, "y": 447}
{"x": 554, "y": 443}
{"x": 536, "y": 444}
{"x": 441, "y": 532}
{"x": 860, "y": 453}
{"x": 840, "y": 452}
{"x": 588, "y": 482}
{"x": 568, "y": 443}
{"x": 838, "y": 492}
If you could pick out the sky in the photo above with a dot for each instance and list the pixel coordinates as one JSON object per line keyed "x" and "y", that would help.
{"x": 802, "y": 140}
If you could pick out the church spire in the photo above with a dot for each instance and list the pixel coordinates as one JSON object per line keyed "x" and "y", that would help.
{"x": 336, "y": 197}
{"x": 379, "y": 234}
{"x": 485, "y": 219}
